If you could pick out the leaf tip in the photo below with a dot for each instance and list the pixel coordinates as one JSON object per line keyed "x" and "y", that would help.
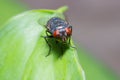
{"x": 62, "y": 9}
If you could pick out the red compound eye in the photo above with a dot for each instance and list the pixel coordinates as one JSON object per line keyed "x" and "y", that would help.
{"x": 56, "y": 33}
{"x": 68, "y": 31}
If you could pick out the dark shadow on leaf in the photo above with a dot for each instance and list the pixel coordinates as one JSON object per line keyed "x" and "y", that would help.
{"x": 58, "y": 48}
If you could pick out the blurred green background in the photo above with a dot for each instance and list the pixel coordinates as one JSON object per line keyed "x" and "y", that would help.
{"x": 9, "y": 8}
{"x": 96, "y": 30}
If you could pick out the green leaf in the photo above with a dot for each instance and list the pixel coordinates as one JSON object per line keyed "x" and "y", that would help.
{"x": 9, "y": 8}
{"x": 23, "y": 50}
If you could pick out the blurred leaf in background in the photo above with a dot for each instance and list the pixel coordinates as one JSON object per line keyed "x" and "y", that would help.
{"x": 9, "y": 8}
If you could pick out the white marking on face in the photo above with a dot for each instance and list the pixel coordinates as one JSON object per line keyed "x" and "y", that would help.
{"x": 65, "y": 34}
{"x": 59, "y": 27}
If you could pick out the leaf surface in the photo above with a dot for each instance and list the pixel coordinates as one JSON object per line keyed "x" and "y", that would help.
{"x": 23, "y": 50}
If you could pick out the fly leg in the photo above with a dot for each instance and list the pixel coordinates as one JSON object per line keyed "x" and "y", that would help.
{"x": 45, "y": 37}
{"x": 48, "y": 37}
{"x": 69, "y": 42}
